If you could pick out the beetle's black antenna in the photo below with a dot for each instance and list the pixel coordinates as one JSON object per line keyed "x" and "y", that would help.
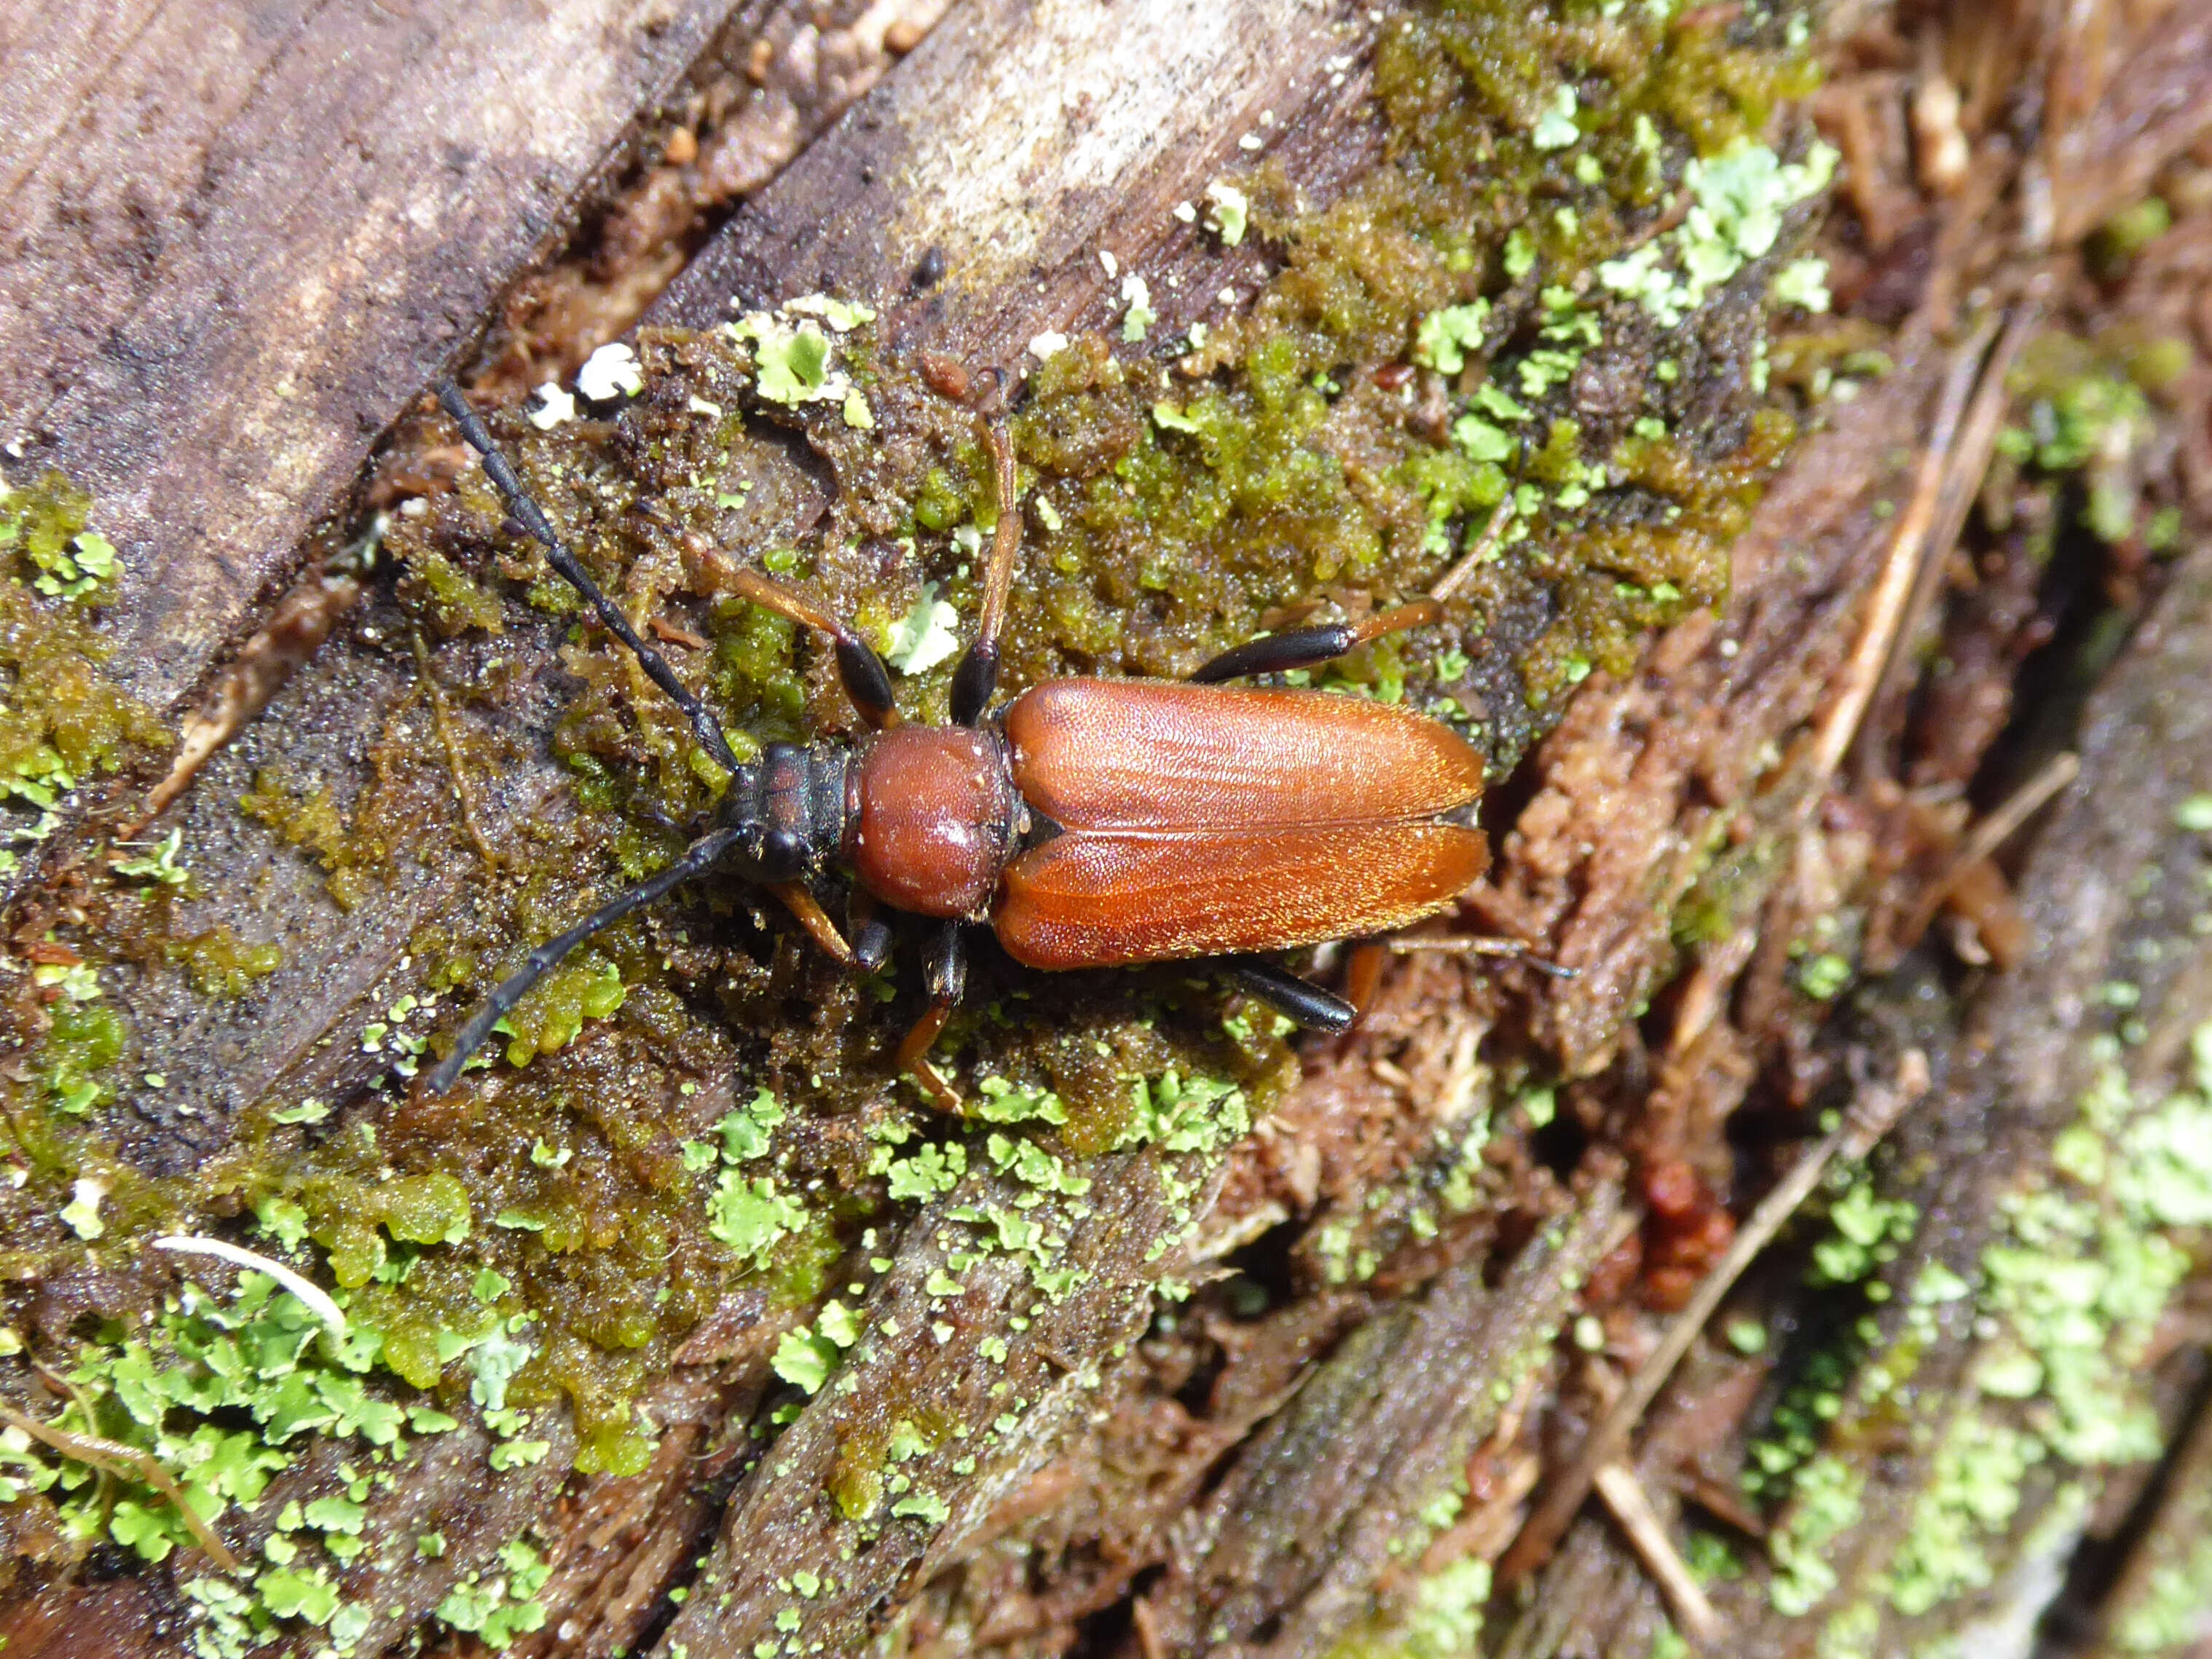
{"x": 697, "y": 859}
{"x": 532, "y": 518}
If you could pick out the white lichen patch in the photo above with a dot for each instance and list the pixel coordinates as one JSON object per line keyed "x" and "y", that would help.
{"x": 925, "y": 637}
{"x": 795, "y": 353}
{"x": 610, "y": 372}
{"x": 555, "y": 407}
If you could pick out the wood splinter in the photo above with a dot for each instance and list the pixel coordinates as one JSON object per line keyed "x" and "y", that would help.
{"x": 1624, "y": 1495}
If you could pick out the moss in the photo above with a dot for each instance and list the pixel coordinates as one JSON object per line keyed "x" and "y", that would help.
{"x": 306, "y": 819}
{"x": 2089, "y": 418}
{"x": 448, "y": 598}
{"x": 62, "y": 721}
{"x": 221, "y": 965}
{"x": 1441, "y": 1617}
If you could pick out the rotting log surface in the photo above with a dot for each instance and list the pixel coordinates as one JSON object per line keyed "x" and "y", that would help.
{"x": 310, "y": 208}
{"x": 852, "y": 215}
{"x": 239, "y": 240}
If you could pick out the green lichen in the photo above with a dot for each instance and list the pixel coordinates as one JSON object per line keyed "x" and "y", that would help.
{"x": 2169, "y": 1616}
{"x": 1972, "y": 1493}
{"x": 497, "y": 1606}
{"x": 2064, "y": 1302}
{"x": 224, "y": 1396}
{"x": 1827, "y": 1497}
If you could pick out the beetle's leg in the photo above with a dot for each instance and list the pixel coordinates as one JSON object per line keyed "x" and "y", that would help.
{"x": 1289, "y": 995}
{"x": 860, "y": 669}
{"x": 815, "y": 921}
{"x": 870, "y": 933}
{"x": 1362, "y": 975}
{"x": 944, "y": 973}
{"x": 1309, "y": 648}
{"x": 696, "y": 860}
{"x": 977, "y": 676}
{"x": 532, "y": 518}
{"x": 1480, "y": 945}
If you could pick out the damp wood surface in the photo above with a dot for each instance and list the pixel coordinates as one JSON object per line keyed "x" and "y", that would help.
{"x": 1269, "y": 1483}
{"x": 241, "y": 240}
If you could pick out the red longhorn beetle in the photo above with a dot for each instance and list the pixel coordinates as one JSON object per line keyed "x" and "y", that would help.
{"x": 1089, "y": 823}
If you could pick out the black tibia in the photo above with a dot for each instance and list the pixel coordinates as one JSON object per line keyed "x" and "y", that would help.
{"x": 975, "y": 678}
{"x": 944, "y": 970}
{"x": 1309, "y": 648}
{"x": 870, "y": 933}
{"x": 697, "y": 859}
{"x": 1287, "y": 994}
{"x": 532, "y": 518}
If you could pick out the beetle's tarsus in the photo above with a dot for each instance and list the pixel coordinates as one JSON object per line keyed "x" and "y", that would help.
{"x": 944, "y": 973}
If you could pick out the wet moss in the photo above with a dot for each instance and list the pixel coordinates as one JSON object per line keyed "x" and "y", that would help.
{"x": 62, "y": 721}
{"x": 221, "y": 965}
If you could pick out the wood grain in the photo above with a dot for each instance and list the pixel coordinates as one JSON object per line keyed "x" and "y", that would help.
{"x": 1021, "y": 141}
{"x": 240, "y": 239}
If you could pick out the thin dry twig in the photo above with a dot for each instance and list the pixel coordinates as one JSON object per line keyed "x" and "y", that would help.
{"x": 1624, "y": 1495}
{"x": 1886, "y": 607}
{"x": 1986, "y": 836}
{"x": 114, "y": 1457}
{"x": 1864, "y": 671}
{"x": 1993, "y": 831}
{"x": 1867, "y": 1121}
{"x": 1964, "y": 470}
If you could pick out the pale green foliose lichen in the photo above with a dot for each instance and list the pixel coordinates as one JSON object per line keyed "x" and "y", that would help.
{"x": 1739, "y": 198}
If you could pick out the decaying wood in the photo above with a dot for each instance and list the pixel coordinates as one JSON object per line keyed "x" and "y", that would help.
{"x": 301, "y": 206}
{"x": 1318, "y": 1505}
{"x": 1021, "y": 142}
{"x": 338, "y": 970}
{"x": 1330, "y": 1451}
{"x": 308, "y": 208}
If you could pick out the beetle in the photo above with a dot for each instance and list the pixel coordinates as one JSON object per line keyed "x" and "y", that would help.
{"x": 1087, "y": 822}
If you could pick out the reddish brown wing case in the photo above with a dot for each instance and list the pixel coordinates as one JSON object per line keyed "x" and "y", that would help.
{"x": 1201, "y": 821}
{"x": 1155, "y": 755}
